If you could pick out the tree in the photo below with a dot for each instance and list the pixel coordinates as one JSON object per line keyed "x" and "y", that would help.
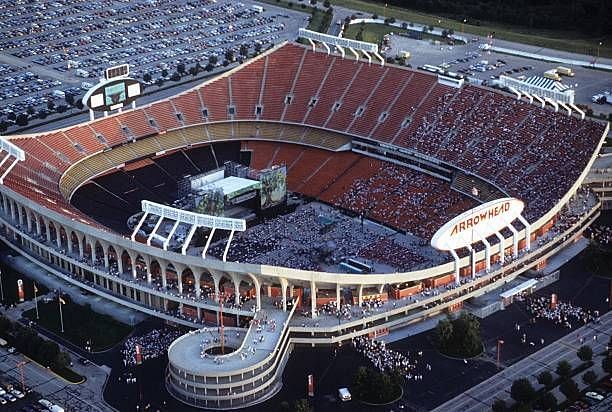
{"x": 175, "y": 77}
{"x": 12, "y": 116}
{"x": 209, "y": 67}
{"x": 522, "y": 391}
{"x": 499, "y": 406}
{"x": 62, "y": 360}
{"x": 180, "y": 67}
{"x": 42, "y": 114}
{"x": 257, "y": 48}
{"x": 229, "y": 55}
{"x": 62, "y": 108}
{"x": 313, "y": 2}
{"x": 146, "y": 77}
{"x": 160, "y": 82}
{"x": 545, "y": 378}
{"x": 213, "y": 59}
{"x": 79, "y": 104}
{"x": 3, "y": 125}
{"x": 585, "y": 353}
{"x": 564, "y": 369}
{"x": 301, "y": 405}
{"x": 30, "y": 110}
{"x": 50, "y": 105}
{"x": 548, "y": 402}
{"x": 326, "y": 3}
{"x": 22, "y": 119}
{"x": 444, "y": 332}
{"x": 164, "y": 72}
{"x": 69, "y": 99}
{"x": 569, "y": 388}
{"x": 244, "y": 50}
{"x": 589, "y": 377}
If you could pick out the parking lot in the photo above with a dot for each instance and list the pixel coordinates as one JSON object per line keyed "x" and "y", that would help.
{"x": 41, "y": 383}
{"x": 47, "y": 42}
{"x": 469, "y": 59}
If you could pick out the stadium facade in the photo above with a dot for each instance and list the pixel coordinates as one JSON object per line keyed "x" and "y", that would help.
{"x": 482, "y": 143}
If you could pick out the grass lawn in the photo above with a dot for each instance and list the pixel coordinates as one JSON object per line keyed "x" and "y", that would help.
{"x": 80, "y": 324}
{"x": 560, "y": 40}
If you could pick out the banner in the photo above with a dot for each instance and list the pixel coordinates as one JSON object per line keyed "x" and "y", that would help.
{"x": 273, "y": 186}
{"x": 138, "y": 355}
{"x": 20, "y": 292}
{"x": 310, "y": 385}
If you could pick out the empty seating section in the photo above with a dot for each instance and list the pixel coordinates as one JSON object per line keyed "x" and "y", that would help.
{"x": 171, "y": 140}
{"x": 60, "y": 143}
{"x": 220, "y": 131}
{"x": 194, "y": 135}
{"x": 110, "y": 129}
{"x": 190, "y": 107}
{"x": 246, "y": 85}
{"x": 380, "y": 100}
{"x": 261, "y": 152}
{"x": 361, "y": 87}
{"x": 85, "y": 138}
{"x": 137, "y": 123}
{"x": 278, "y": 82}
{"x": 405, "y": 105}
{"x": 308, "y": 162}
{"x": 215, "y": 96}
{"x": 342, "y": 72}
{"x": 164, "y": 115}
{"x": 315, "y": 66}
{"x": 328, "y": 172}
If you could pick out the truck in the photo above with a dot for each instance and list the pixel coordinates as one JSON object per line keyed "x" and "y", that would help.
{"x": 565, "y": 71}
{"x": 602, "y": 98}
{"x": 257, "y": 8}
{"x": 552, "y": 74}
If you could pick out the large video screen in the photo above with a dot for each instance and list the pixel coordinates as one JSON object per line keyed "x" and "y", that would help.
{"x": 115, "y": 94}
{"x": 273, "y": 186}
{"x": 210, "y": 202}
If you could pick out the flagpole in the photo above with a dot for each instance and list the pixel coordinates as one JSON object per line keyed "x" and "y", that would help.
{"x": 36, "y": 301}
{"x": 60, "y": 310}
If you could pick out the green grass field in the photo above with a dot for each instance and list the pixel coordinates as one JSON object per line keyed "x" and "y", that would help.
{"x": 81, "y": 324}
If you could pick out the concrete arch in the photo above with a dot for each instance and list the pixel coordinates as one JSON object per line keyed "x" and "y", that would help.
{"x": 208, "y": 285}
{"x": 42, "y": 226}
{"x": 140, "y": 267}
{"x": 52, "y": 232}
{"x": 156, "y": 273}
{"x": 171, "y": 275}
{"x": 112, "y": 256}
{"x": 126, "y": 261}
{"x": 63, "y": 238}
{"x": 188, "y": 281}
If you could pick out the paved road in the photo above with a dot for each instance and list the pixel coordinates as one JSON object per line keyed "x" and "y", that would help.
{"x": 484, "y": 394}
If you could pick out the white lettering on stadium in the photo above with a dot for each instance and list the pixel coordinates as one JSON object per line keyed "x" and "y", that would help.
{"x": 480, "y": 217}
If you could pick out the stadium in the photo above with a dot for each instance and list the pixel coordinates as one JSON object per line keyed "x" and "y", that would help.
{"x": 322, "y": 180}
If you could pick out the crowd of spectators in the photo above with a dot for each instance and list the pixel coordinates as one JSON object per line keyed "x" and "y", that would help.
{"x": 152, "y": 344}
{"x": 389, "y": 361}
{"x": 601, "y": 234}
{"x": 561, "y": 313}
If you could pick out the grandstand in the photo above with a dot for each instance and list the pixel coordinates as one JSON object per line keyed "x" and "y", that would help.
{"x": 378, "y": 158}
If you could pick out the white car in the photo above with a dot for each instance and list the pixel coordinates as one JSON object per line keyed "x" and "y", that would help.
{"x": 594, "y": 395}
{"x": 17, "y": 393}
{"x": 2, "y": 401}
